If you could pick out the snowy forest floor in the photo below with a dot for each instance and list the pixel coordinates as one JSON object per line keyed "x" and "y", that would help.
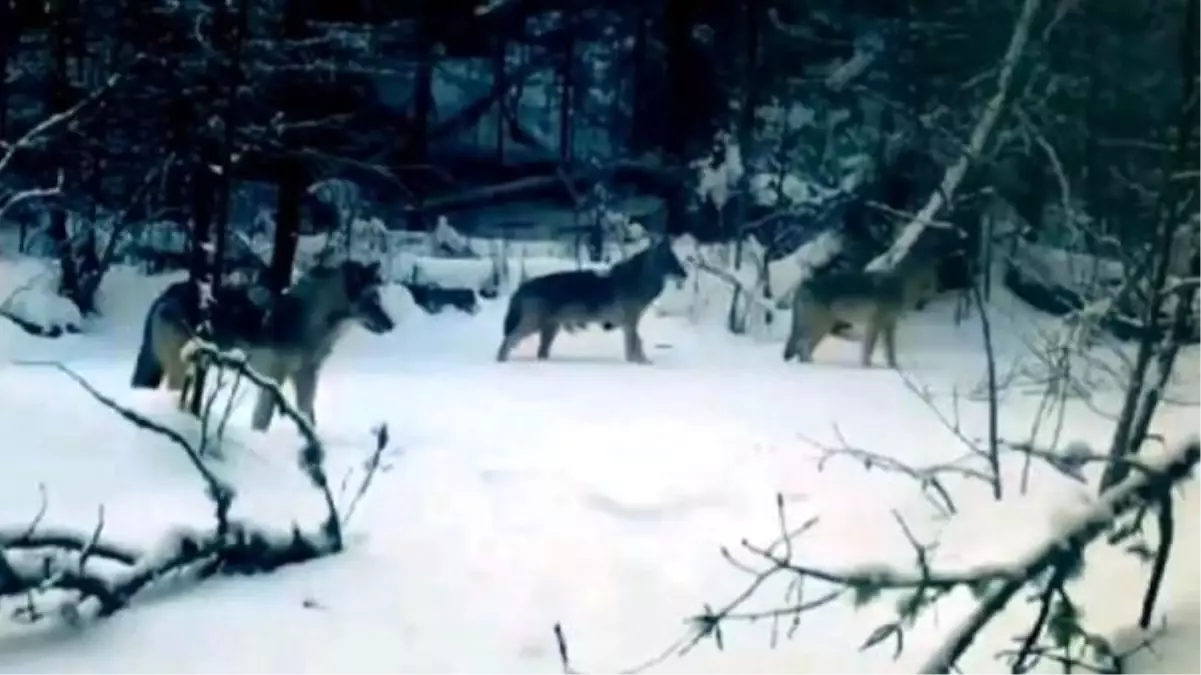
{"x": 582, "y": 490}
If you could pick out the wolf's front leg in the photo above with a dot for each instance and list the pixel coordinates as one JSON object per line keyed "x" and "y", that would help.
{"x": 869, "y": 344}
{"x": 305, "y": 382}
{"x": 633, "y": 342}
{"x": 264, "y": 407}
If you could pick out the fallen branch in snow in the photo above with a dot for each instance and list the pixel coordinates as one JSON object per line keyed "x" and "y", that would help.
{"x": 994, "y": 585}
{"x": 35, "y": 329}
{"x": 201, "y": 355}
{"x": 35, "y": 536}
{"x": 32, "y": 328}
{"x": 35, "y": 559}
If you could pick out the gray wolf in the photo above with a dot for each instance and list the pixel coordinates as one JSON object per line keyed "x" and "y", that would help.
{"x": 289, "y": 341}
{"x": 837, "y": 302}
{"x": 577, "y": 299}
{"x": 171, "y": 321}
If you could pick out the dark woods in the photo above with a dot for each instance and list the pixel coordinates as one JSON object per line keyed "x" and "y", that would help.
{"x": 158, "y": 132}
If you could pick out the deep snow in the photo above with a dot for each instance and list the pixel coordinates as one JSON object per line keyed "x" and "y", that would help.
{"x": 582, "y": 490}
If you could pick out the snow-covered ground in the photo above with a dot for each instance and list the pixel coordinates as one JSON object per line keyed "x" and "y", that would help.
{"x": 583, "y": 491}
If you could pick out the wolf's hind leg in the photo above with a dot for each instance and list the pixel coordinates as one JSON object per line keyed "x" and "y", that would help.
{"x": 546, "y": 338}
{"x": 796, "y": 331}
{"x": 870, "y": 335}
{"x": 264, "y": 407}
{"x": 305, "y": 384}
{"x": 177, "y": 374}
{"x": 509, "y": 342}
{"x": 810, "y": 329}
{"x": 889, "y": 331}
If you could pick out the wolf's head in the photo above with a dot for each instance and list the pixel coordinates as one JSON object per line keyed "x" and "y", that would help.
{"x": 361, "y": 284}
{"x": 663, "y": 260}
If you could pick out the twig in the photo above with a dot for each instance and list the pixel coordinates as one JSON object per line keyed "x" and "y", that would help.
{"x": 312, "y": 454}
{"x": 371, "y": 466}
{"x": 1131, "y": 492}
{"x": 219, "y": 491}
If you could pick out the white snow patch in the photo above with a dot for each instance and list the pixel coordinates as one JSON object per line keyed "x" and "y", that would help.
{"x": 582, "y": 490}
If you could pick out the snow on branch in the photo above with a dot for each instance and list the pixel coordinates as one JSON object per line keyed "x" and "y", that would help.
{"x": 980, "y": 135}
{"x": 922, "y": 583}
{"x": 54, "y": 121}
{"x": 1076, "y": 532}
{"x": 199, "y": 354}
{"x": 10, "y": 201}
{"x": 9, "y": 151}
{"x": 36, "y": 559}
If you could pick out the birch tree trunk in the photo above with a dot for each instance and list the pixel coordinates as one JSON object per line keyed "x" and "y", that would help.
{"x": 979, "y": 138}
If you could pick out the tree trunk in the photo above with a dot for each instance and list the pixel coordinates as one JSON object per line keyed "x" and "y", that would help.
{"x": 9, "y": 32}
{"x": 567, "y": 95}
{"x": 203, "y": 265}
{"x": 287, "y": 226}
{"x": 1160, "y": 344}
{"x": 499, "y": 67}
{"x": 290, "y": 184}
{"x": 59, "y": 96}
{"x": 678, "y": 30}
{"x": 638, "y": 122}
{"x": 417, "y": 150}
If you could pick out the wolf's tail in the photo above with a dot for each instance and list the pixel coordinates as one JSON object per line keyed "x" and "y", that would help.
{"x": 147, "y": 371}
{"x": 513, "y": 314}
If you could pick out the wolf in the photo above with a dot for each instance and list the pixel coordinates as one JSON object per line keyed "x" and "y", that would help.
{"x": 837, "y": 302}
{"x": 172, "y": 320}
{"x": 287, "y": 342}
{"x": 576, "y": 299}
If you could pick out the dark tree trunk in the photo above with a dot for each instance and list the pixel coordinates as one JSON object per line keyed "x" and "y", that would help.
{"x": 214, "y": 182}
{"x": 499, "y": 68}
{"x": 8, "y": 45}
{"x": 203, "y": 265}
{"x": 290, "y": 183}
{"x": 678, "y": 31}
{"x": 567, "y": 94}
{"x": 59, "y": 97}
{"x": 639, "y": 126}
{"x": 287, "y": 225}
{"x": 753, "y": 14}
{"x": 417, "y": 145}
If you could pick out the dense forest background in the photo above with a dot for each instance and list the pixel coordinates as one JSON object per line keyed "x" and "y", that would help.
{"x": 140, "y": 118}
{"x": 1057, "y": 140}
